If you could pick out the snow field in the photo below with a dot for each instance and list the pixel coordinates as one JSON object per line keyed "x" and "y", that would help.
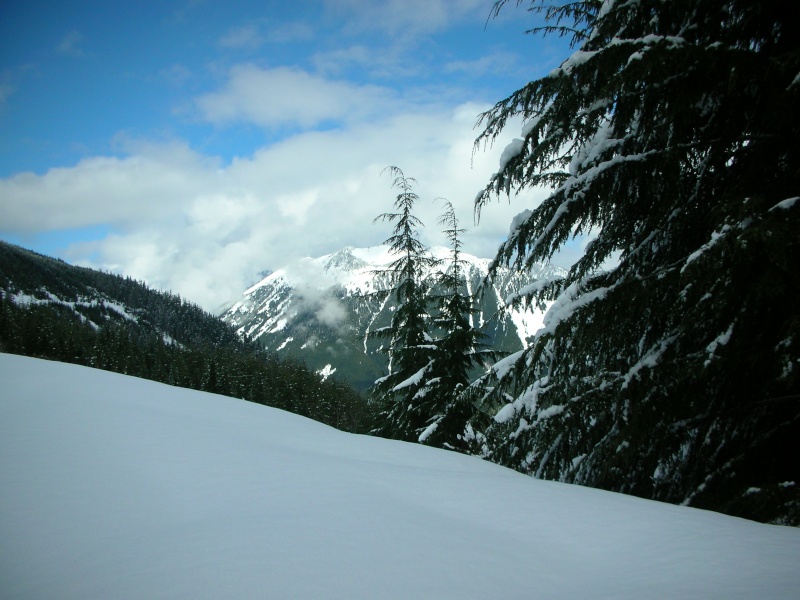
{"x": 117, "y": 487}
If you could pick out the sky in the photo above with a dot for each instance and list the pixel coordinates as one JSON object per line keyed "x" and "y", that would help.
{"x": 118, "y": 487}
{"x": 193, "y": 144}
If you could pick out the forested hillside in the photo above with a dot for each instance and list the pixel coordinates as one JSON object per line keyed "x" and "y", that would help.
{"x": 52, "y": 310}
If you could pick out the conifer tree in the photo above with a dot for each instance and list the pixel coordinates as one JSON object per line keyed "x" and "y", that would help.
{"x": 409, "y": 342}
{"x": 670, "y": 135}
{"x": 459, "y": 349}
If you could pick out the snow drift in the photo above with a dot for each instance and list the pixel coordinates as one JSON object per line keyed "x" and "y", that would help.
{"x": 116, "y": 487}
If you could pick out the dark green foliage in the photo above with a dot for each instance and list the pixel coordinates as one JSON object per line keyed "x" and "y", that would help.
{"x": 409, "y": 341}
{"x": 52, "y": 310}
{"x": 673, "y": 135}
{"x": 433, "y": 345}
{"x": 459, "y": 349}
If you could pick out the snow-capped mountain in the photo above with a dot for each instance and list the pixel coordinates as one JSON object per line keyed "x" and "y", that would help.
{"x": 101, "y": 301}
{"x": 322, "y": 309}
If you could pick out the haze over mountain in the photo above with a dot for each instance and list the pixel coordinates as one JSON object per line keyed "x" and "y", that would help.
{"x": 322, "y": 309}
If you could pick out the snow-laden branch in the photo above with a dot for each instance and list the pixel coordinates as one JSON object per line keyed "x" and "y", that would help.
{"x": 715, "y": 237}
{"x": 649, "y": 360}
{"x": 786, "y": 204}
{"x": 530, "y": 290}
{"x": 414, "y": 379}
{"x": 582, "y": 56}
{"x": 584, "y": 179}
{"x": 570, "y": 301}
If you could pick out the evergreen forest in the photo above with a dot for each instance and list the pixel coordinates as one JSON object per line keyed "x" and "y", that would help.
{"x": 56, "y": 311}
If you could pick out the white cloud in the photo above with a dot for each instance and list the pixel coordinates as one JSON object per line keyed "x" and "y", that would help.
{"x": 313, "y": 291}
{"x": 405, "y": 18}
{"x": 70, "y": 44}
{"x": 496, "y": 62}
{"x": 389, "y": 63}
{"x": 255, "y": 34}
{"x": 185, "y": 222}
{"x": 285, "y": 96}
{"x": 296, "y": 205}
{"x": 246, "y": 36}
{"x": 120, "y": 191}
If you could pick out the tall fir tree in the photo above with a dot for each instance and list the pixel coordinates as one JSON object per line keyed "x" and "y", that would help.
{"x": 459, "y": 349}
{"x": 670, "y": 135}
{"x": 409, "y": 343}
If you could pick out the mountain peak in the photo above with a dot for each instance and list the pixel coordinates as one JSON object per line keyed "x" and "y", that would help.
{"x": 343, "y": 260}
{"x": 322, "y": 309}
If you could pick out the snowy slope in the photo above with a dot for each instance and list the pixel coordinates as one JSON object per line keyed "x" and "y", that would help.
{"x": 115, "y": 487}
{"x": 321, "y": 310}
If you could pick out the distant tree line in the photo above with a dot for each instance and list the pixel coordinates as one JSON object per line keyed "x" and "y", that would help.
{"x": 58, "y": 312}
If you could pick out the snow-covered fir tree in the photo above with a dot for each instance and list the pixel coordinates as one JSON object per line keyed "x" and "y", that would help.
{"x": 409, "y": 344}
{"x": 669, "y": 364}
{"x": 459, "y": 349}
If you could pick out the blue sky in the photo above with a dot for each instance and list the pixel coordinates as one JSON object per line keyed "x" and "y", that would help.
{"x": 195, "y": 143}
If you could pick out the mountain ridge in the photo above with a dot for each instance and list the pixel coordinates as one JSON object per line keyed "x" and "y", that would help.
{"x": 322, "y": 309}
{"x": 53, "y": 310}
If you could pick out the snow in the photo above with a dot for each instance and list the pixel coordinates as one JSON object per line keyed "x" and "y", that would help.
{"x": 577, "y": 58}
{"x": 635, "y": 56}
{"x": 721, "y": 340}
{"x": 527, "y": 323}
{"x": 531, "y": 289}
{"x": 505, "y": 414}
{"x": 428, "y": 432}
{"x": 786, "y": 204}
{"x": 584, "y": 179}
{"x": 330, "y": 286}
{"x": 580, "y": 57}
{"x": 117, "y": 487}
{"x": 326, "y": 371}
{"x": 530, "y": 125}
{"x": 607, "y": 7}
{"x": 715, "y": 237}
{"x": 375, "y": 255}
{"x": 510, "y": 151}
{"x": 272, "y": 277}
{"x": 413, "y": 380}
{"x": 285, "y": 342}
{"x": 22, "y": 299}
{"x": 649, "y": 360}
{"x": 504, "y": 365}
{"x": 567, "y": 303}
{"x": 518, "y": 221}
{"x": 550, "y": 411}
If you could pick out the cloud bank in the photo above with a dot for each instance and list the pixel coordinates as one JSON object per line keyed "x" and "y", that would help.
{"x": 195, "y": 148}
{"x": 186, "y": 222}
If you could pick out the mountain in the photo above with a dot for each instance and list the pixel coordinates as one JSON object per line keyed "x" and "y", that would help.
{"x": 98, "y": 300}
{"x": 54, "y": 310}
{"x": 116, "y": 487}
{"x": 322, "y": 309}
